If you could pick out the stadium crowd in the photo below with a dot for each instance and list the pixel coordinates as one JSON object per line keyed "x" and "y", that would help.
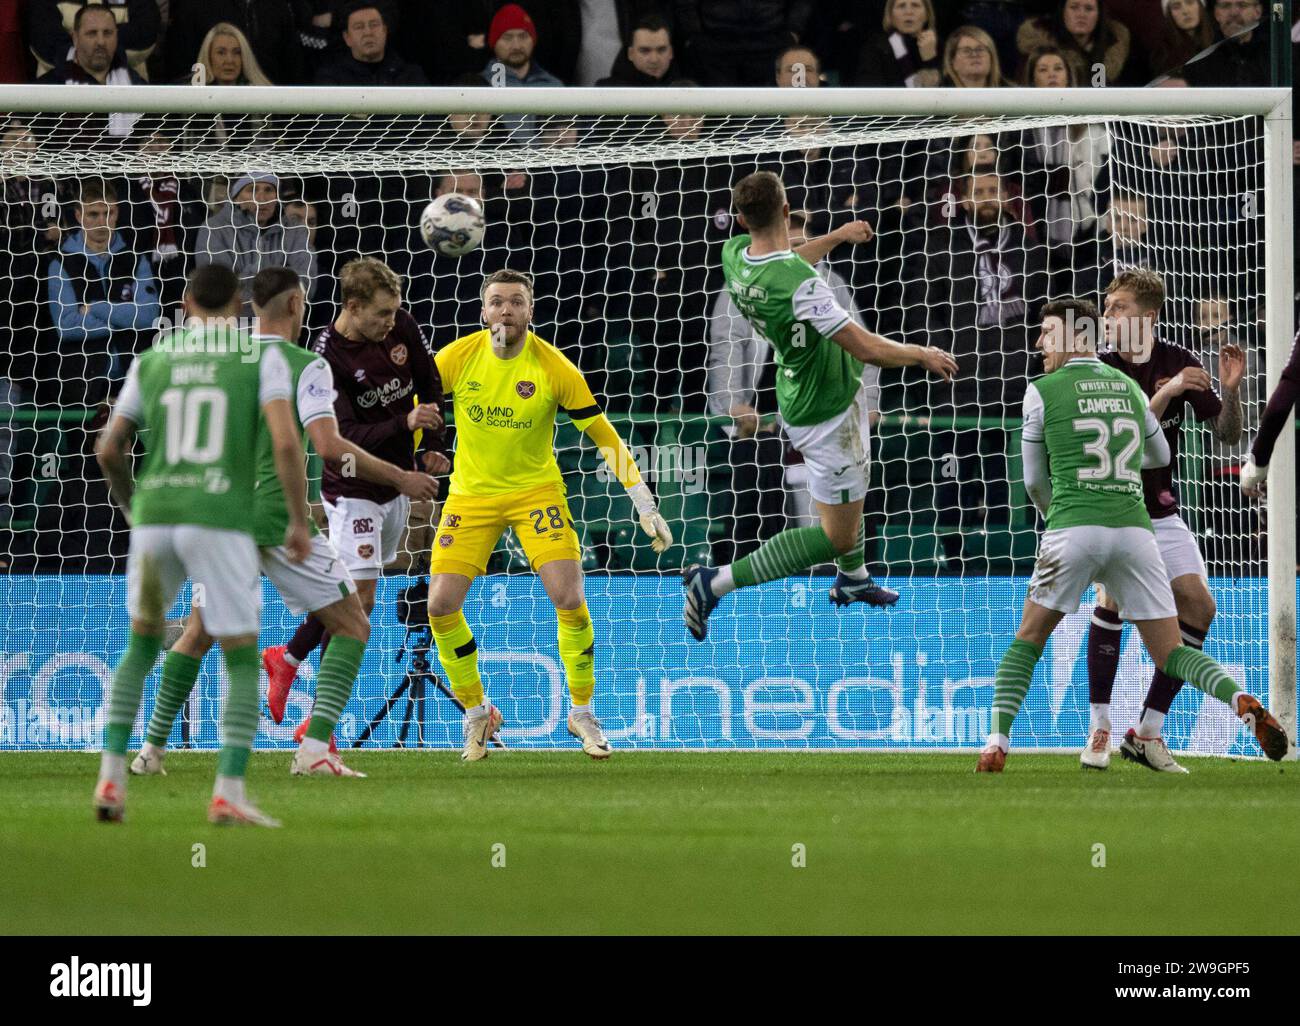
{"x": 969, "y": 235}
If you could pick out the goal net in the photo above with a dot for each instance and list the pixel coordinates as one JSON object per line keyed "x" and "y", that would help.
{"x": 618, "y": 207}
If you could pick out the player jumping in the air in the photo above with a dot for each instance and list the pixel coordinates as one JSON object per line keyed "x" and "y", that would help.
{"x": 386, "y": 389}
{"x": 1255, "y": 472}
{"x": 819, "y": 352}
{"x": 197, "y": 400}
{"x": 321, "y": 583}
{"x": 1088, "y": 433}
{"x": 1172, "y": 379}
{"x": 508, "y": 385}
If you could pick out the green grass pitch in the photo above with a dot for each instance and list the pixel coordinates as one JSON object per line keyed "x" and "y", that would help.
{"x": 659, "y": 843}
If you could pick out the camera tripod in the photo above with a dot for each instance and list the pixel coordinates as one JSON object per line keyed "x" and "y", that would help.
{"x": 415, "y": 686}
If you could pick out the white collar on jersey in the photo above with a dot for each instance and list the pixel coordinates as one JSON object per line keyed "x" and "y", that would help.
{"x": 766, "y": 256}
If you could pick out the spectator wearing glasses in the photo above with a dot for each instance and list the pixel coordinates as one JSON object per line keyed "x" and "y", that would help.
{"x": 970, "y": 60}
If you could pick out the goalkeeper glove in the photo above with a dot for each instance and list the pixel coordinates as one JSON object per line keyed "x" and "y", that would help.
{"x": 651, "y": 521}
{"x": 1252, "y": 478}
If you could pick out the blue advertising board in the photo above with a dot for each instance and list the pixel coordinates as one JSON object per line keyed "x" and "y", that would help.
{"x": 782, "y": 668}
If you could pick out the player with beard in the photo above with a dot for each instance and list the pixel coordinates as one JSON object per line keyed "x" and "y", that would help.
{"x": 508, "y": 386}
{"x": 387, "y": 388}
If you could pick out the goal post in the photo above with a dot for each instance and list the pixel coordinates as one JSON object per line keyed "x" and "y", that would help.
{"x": 620, "y": 217}
{"x": 1279, "y": 319}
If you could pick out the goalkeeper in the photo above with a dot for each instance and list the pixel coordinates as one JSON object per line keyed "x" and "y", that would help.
{"x": 508, "y": 385}
{"x": 820, "y": 352}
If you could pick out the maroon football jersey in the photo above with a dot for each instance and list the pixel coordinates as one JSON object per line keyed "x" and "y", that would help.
{"x": 1278, "y": 409}
{"x": 375, "y": 385}
{"x": 1167, "y": 360}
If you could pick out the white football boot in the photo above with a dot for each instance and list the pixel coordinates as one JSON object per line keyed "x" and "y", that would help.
{"x": 478, "y": 732}
{"x": 1097, "y": 754}
{"x": 1149, "y": 752}
{"x": 149, "y": 762}
{"x": 324, "y": 764}
{"x": 586, "y": 728}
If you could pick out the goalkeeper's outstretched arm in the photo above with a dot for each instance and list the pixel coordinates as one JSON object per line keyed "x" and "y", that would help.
{"x": 619, "y": 459}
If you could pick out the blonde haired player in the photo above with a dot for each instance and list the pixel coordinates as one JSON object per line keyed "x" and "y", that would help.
{"x": 508, "y": 385}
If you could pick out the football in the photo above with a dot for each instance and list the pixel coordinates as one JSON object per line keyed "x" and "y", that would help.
{"x": 453, "y": 224}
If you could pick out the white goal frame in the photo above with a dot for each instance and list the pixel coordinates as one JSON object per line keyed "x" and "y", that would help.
{"x": 1272, "y": 105}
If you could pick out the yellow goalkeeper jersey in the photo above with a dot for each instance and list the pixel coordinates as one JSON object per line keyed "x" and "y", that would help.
{"x": 505, "y": 412}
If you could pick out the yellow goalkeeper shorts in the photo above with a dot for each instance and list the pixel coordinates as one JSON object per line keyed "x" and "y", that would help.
{"x": 471, "y": 526}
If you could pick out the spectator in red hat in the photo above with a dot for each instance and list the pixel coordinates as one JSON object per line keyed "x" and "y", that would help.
{"x": 512, "y": 38}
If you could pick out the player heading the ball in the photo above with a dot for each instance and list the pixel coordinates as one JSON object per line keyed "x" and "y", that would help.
{"x": 1088, "y": 433}
{"x": 820, "y": 352}
{"x": 508, "y": 386}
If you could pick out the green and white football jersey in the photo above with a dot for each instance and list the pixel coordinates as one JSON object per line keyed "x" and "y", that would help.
{"x": 789, "y": 304}
{"x": 1094, "y": 422}
{"x": 311, "y": 384}
{"x": 197, "y": 402}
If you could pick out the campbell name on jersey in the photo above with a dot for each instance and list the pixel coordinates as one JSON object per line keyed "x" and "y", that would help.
{"x": 1093, "y": 421}
{"x": 791, "y": 306}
